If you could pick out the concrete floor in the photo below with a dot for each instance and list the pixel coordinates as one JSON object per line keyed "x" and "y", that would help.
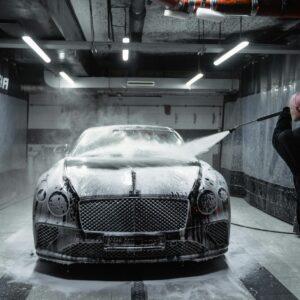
{"x": 259, "y": 265}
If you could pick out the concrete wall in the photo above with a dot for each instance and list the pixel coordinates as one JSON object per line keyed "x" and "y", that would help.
{"x": 13, "y": 134}
{"x": 248, "y": 157}
{"x": 58, "y": 111}
{"x": 59, "y": 117}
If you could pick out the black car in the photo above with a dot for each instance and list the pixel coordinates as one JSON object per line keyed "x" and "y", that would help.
{"x": 124, "y": 195}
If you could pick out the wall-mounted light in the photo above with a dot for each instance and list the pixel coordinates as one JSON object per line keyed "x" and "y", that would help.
{"x": 125, "y": 52}
{"x": 231, "y": 53}
{"x": 36, "y": 48}
{"x": 194, "y": 79}
{"x": 67, "y": 78}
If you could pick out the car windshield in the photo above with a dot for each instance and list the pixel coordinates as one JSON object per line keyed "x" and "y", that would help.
{"x": 95, "y": 139}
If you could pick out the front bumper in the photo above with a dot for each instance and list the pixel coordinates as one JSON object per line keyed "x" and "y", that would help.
{"x": 70, "y": 245}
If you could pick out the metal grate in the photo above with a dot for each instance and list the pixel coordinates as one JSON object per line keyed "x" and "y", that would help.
{"x": 218, "y": 233}
{"x": 133, "y": 214}
{"x": 46, "y": 235}
{"x": 95, "y": 251}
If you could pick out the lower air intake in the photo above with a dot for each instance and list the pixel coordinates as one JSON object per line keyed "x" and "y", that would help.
{"x": 46, "y": 235}
{"x": 218, "y": 233}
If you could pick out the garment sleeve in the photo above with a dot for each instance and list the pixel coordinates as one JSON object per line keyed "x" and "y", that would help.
{"x": 285, "y": 142}
{"x": 284, "y": 123}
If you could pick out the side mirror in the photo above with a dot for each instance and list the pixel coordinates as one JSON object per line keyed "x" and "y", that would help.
{"x": 61, "y": 149}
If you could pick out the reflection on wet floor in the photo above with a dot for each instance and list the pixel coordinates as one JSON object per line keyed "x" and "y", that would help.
{"x": 257, "y": 266}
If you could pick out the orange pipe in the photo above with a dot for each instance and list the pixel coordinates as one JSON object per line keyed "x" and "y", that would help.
{"x": 274, "y": 8}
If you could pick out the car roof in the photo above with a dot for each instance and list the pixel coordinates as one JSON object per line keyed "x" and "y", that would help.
{"x": 133, "y": 127}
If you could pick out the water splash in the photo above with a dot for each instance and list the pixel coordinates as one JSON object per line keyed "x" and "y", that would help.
{"x": 129, "y": 151}
{"x": 200, "y": 146}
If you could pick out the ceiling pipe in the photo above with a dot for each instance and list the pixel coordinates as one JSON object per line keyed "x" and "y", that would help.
{"x": 269, "y": 8}
{"x": 152, "y": 48}
{"x": 137, "y": 14}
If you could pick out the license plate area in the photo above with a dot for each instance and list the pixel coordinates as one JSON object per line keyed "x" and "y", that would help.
{"x": 134, "y": 243}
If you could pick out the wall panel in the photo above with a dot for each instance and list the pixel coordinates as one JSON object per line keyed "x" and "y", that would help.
{"x": 249, "y": 160}
{"x": 13, "y": 133}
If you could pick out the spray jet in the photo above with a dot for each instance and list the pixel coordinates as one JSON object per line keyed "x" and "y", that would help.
{"x": 200, "y": 146}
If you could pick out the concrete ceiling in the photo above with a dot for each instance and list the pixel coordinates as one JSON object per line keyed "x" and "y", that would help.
{"x": 162, "y": 29}
{"x": 70, "y": 20}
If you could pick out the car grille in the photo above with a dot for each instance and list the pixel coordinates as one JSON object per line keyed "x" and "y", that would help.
{"x": 133, "y": 214}
{"x": 46, "y": 235}
{"x": 218, "y": 233}
{"x": 96, "y": 251}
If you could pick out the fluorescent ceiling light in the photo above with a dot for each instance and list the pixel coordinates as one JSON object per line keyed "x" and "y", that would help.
{"x": 194, "y": 79}
{"x": 209, "y": 15}
{"x": 36, "y": 48}
{"x": 232, "y": 52}
{"x": 67, "y": 78}
{"x": 125, "y": 52}
{"x": 175, "y": 14}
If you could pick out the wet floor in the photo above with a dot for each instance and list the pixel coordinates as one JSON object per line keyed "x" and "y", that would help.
{"x": 259, "y": 265}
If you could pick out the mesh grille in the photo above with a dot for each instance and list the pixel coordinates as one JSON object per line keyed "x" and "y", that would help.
{"x": 91, "y": 250}
{"x": 133, "y": 215}
{"x": 218, "y": 233}
{"x": 95, "y": 251}
{"x": 46, "y": 235}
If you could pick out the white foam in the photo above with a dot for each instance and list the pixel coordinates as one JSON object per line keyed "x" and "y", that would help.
{"x": 131, "y": 149}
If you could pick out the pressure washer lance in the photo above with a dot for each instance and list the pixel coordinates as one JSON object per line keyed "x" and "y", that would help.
{"x": 257, "y": 120}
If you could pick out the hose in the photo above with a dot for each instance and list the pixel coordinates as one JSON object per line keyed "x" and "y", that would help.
{"x": 261, "y": 229}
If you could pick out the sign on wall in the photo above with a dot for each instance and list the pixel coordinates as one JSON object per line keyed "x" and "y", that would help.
{"x": 9, "y": 79}
{"x": 4, "y": 83}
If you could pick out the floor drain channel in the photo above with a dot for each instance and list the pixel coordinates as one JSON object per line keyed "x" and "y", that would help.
{"x": 139, "y": 291}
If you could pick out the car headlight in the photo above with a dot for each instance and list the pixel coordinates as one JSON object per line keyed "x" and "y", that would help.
{"x": 58, "y": 204}
{"x": 207, "y": 203}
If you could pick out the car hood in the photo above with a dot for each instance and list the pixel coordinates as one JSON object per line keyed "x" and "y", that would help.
{"x": 117, "y": 176}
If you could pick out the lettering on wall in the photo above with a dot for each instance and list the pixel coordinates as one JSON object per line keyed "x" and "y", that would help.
{"x": 4, "y": 83}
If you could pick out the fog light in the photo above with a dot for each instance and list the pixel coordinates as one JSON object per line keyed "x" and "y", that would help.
{"x": 207, "y": 203}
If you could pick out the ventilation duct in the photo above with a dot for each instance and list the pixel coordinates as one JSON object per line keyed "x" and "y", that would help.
{"x": 142, "y": 84}
{"x": 273, "y": 8}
